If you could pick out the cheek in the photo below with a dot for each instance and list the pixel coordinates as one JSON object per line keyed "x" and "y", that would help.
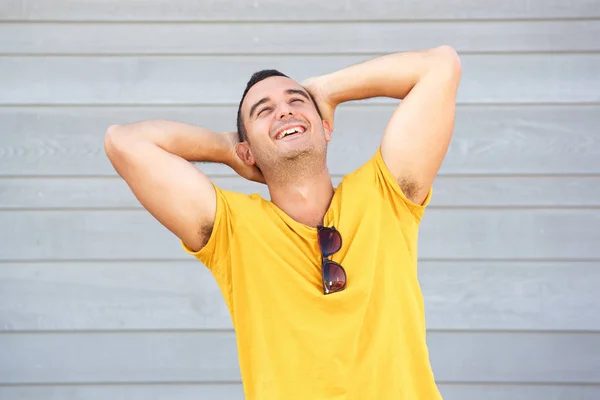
{"x": 259, "y": 131}
{"x": 311, "y": 113}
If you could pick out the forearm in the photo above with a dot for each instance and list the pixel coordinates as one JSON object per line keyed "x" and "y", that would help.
{"x": 186, "y": 141}
{"x": 392, "y": 75}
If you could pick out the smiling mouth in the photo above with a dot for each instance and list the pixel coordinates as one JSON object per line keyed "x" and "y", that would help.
{"x": 290, "y": 132}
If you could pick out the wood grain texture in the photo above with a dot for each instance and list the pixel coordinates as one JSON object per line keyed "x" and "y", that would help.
{"x": 450, "y": 191}
{"x": 447, "y": 234}
{"x": 286, "y": 38}
{"x": 212, "y": 357}
{"x": 487, "y": 139}
{"x": 336, "y": 10}
{"x": 490, "y": 78}
{"x": 234, "y": 391}
{"x": 163, "y": 296}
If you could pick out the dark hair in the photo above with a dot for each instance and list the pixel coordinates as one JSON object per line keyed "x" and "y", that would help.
{"x": 254, "y": 79}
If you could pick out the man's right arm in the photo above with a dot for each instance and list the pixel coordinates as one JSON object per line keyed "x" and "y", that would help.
{"x": 153, "y": 157}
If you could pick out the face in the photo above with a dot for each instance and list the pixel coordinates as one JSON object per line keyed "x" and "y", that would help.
{"x": 282, "y": 124}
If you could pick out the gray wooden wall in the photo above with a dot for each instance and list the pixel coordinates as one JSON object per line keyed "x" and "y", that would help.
{"x": 98, "y": 301}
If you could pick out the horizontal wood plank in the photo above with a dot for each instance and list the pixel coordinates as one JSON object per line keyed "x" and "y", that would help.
{"x": 234, "y": 391}
{"x": 88, "y": 296}
{"x": 450, "y": 191}
{"x": 482, "y": 295}
{"x": 212, "y": 357}
{"x": 206, "y": 391}
{"x": 336, "y": 10}
{"x": 285, "y": 38}
{"x": 118, "y": 357}
{"x": 518, "y": 392}
{"x": 487, "y": 140}
{"x": 491, "y": 78}
{"x": 446, "y": 234}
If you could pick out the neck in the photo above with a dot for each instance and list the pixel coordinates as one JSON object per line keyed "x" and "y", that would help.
{"x": 303, "y": 195}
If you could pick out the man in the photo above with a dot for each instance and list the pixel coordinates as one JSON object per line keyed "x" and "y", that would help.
{"x": 321, "y": 282}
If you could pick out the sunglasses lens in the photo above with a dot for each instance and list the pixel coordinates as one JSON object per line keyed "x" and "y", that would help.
{"x": 334, "y": 277}
{"x": 330, "y": 241}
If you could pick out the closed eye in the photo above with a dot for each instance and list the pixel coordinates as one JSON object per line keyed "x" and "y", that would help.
{"x": 262, "y": 111}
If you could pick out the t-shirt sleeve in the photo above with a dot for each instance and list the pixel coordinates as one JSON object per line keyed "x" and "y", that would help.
{"x": 216, "y": 250}
{"x": 388, "y": 187}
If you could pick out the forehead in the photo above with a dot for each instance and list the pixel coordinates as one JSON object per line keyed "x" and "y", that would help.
{"x": 272, "y": 87}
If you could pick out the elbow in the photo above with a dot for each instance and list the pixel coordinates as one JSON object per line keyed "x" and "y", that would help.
{"x": 115, "y": 141}
{"x": 448, "y": 61}
{"x": 112, "y": 132}
{"x": 110, "y": 139}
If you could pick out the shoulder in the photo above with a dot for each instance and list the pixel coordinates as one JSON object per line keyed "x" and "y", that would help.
{"x": 368, "y": 173}
{"x": 241, "y": 210}
{"x": 373, "y": 179}
{"x": 234, "y": 209}
{"x": 233, "y": 201}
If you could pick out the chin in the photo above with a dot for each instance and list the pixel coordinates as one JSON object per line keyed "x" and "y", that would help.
{"x": 296, "y": 154}
{"x": 304, "y": 154}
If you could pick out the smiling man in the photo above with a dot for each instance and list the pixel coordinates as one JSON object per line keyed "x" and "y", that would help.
{"x": 321, "y": 281}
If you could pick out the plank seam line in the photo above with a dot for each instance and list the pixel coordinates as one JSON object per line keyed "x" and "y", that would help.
{"x": 230, "y": 331}
{"x": 136, "y": 209}
{"x": 293, "y": 21}
{"x": 353, "y": 105}
{"x": 518, "y": 383}
{"x": 192, "y": 260}
{"x": 516, "y": 175}
{"x": 238, "y": 382}
{"x": 265, "y": 54}
{"x": 117, "y": 383}
{"x": 291, "y": 55}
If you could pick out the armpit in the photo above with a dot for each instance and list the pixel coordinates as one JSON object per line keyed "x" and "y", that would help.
{"x": 409, "y": 187}
{"x": 205, "y": 231}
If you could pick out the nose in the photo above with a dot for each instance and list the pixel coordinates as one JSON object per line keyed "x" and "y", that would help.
{"x": 285, "y": 111}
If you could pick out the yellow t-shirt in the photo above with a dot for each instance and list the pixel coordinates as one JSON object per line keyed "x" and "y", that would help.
{"x": 366, "y": 342}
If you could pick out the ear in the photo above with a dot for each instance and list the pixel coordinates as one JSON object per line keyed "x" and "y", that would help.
{"x": 244, "y": 153}
{"x": 328, "y": 130}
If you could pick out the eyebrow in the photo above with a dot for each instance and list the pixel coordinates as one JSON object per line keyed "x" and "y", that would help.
{"x": 258, "y": 103}
{"x": 288, "y": 92}
{"x": 298, "y": 91}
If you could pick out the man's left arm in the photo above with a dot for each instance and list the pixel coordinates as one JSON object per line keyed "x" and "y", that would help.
{"x": 417, "y": 136}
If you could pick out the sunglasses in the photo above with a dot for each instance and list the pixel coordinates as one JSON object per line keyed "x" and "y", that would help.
{"x": 334, "y": 276}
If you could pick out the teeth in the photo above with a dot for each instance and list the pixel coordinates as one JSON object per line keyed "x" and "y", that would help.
{"x": 289, "y": 132}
